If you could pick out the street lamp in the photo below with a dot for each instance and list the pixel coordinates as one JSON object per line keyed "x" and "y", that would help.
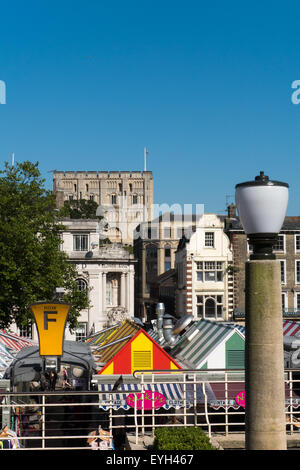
{"x": 262, "y": 206}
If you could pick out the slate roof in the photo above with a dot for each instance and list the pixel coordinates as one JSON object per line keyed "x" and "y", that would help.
{"x": 289, "y": 224}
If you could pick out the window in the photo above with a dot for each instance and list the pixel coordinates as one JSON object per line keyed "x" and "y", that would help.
{"x": 297, "y": 302}
{"x": 235, "y": 359}
{"x": 180, "y": 232}
{"x": 80, "y": 242}
{"x": 209, "y": 239}
{"x": 81, "y": 285}
{"x": 283, "y": 301}
{"x": 167, "y": 265}
{"x": 81, "y": 332}
{"x": 282, "y": 271}
{"x": 167, "y": 252}
{"x": 26, "y": 331}
{"x": 297, "y": 274}
{"x": 279, "y": 245}
{"x": 113, "y": 199}
{"x": 211, "y": 271}
{"x": 297, "y": 242}
{"x": 210, "y": 306}
{"x": 134, "y": 199}
{"x": 152, "y": 233}
{"x": 167, "y": 232}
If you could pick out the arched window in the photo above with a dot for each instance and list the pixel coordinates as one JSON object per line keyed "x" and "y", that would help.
{"x": 210, "y": 308}
{"x": 81, "y": 284}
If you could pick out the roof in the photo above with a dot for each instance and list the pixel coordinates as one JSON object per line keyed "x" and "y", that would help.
{"x": 194, "y": 346}
{"x": 161, "y": 351}
{"x": 14, "y": 342}
{"x": 99, "y": 338}
{"x": 289, "y": 224}
{"x": 28, "y": 361}
{"x": 115, "y": 342}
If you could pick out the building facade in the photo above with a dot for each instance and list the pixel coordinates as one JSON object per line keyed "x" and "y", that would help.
{"x": 204, "y": 272}
{"x": 287, "y": 251}
{"x": 125, "y": 198}
{"x": 155, "y": 245}
{"x": 107, "y": 272}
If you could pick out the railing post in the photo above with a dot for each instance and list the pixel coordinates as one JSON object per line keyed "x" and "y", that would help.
{"x": 43, "y": 420}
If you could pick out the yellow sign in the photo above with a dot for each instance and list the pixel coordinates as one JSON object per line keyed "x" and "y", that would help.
{"x": 50, "y": 320}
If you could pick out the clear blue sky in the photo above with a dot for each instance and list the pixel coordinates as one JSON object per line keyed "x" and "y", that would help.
{"x": 205, "y": 86}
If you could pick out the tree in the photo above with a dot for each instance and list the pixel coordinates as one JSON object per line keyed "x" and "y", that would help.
{"x": 32, "y": 264}
{"x": 79, "y": 209}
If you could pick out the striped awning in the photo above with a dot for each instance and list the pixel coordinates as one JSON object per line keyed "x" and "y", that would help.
{"x": 14, "y": 342}
{"x": 225, "y": 395}
{"x": 175, "y": 394}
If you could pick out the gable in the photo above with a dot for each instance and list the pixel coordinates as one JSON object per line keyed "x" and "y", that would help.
{"x": 140, "y": 353}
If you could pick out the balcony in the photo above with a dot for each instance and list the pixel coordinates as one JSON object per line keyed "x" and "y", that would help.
{"x": 293, "y": 313}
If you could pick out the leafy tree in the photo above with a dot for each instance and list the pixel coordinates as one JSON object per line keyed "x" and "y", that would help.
{"x": 32, "y": 264}
{"x": 79, "y": 209}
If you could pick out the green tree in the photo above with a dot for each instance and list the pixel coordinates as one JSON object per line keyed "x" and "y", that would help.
{"x": 32, "y": 264}
{"x": 79, "y": 209}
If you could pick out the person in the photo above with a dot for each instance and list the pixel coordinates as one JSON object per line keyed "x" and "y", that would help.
{"x": 52, "y": 379}
{"x": 65, "y": 379}
{"x": 100, "y": 440}
{"x": 10, "y": 440}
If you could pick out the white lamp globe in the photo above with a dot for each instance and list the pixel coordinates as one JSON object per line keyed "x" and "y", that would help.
{"x": 262, "y": 206}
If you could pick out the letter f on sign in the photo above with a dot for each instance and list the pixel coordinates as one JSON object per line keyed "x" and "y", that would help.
{"x": 47, "y": 319}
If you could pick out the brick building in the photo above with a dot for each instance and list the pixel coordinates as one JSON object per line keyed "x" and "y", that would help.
{"x": 204, "y": 278}
{"x": 287, "y": 250}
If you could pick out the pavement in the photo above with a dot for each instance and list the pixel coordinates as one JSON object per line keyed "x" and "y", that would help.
{"x": 233, "y": 441}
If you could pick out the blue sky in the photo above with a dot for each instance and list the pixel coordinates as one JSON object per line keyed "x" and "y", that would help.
{"x": 205, "y": 86}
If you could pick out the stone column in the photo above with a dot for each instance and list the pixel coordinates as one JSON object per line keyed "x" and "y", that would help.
{"x": 104, "y": 295}
{"x": 264, "y": 358}
{"x": 127, "y": 292}
{"x": 100, "y": 295}
{"x": 131, "y": 282}
{"x": 94, "y": 307}
{"x": 123, "y": 293}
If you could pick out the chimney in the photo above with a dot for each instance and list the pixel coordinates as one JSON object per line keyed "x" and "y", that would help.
{"x": 231, "y": 211}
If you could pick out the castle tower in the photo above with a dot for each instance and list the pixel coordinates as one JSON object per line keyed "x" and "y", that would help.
{"x": 125, "y": 197}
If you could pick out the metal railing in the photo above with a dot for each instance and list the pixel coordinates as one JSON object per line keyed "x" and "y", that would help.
{"x": 102, "y": 419}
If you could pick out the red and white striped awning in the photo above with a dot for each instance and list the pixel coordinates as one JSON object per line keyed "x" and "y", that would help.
{"x": 291, "y": 328}
{"x": 14, "y": 342}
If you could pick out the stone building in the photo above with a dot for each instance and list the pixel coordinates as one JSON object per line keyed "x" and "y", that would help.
{"x": 155, "y": 244}
{"x": 107, "y": 271}
{"x": 203, "y": 267}
{"x": 287, "y": 250}
{"x": 125, "y": 198}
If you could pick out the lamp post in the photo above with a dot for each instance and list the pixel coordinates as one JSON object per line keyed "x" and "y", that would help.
{"x": 262, "y": 206}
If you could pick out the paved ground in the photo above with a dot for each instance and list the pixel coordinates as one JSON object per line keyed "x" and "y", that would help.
{"x": 232, "y": 441}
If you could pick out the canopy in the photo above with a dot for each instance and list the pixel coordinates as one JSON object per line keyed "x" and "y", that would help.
{"x": 225, "y": 398}
{"x": 14, "y": 342}
{"x": 173, "y": 393}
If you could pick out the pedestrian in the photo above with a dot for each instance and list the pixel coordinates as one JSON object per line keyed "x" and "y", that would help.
{"x": 52, "y": 379}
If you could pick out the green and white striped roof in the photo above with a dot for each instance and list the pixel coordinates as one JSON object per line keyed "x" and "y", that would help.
{"x": 200, "y": 340}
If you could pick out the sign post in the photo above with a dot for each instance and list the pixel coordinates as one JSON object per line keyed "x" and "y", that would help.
{"x": 50, "y": 318}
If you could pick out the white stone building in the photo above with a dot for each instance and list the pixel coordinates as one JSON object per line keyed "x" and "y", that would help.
{"x": 203, "y": 264}
{"x": 107, "y": 271}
